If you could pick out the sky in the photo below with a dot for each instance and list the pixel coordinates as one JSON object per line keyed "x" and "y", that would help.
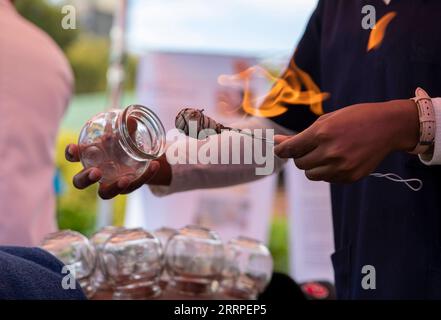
{"x": 244, "y": 27}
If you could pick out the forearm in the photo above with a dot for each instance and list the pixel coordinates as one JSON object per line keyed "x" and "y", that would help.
{"x": 219, "y": 172}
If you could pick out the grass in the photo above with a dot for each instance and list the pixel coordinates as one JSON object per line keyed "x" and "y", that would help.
{"x": 278, "y": 243}
{"x": 84, "y": 106}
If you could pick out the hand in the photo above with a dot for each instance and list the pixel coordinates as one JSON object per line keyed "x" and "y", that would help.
{"x": 158, "y": 172}
{"x": 348, "y": 144}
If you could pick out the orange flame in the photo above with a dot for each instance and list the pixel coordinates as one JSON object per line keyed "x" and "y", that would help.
{"x": 285, "y": 90}
{"x": 377, "y": 34}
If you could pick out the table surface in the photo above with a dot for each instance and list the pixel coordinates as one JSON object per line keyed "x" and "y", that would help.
{"x": 165, "y": 295}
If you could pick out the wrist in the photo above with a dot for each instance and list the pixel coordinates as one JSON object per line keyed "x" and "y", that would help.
{"x": 164, "y": 175}
{"x": 405, "y": 122}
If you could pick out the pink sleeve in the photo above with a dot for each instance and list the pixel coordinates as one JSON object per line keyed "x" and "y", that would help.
{"x": 187, "y": 177}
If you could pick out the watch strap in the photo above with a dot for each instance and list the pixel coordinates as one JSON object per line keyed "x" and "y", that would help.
{"x": 427, "y": 121}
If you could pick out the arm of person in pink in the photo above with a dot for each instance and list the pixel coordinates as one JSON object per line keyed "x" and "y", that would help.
{"x": 218, "y": 174}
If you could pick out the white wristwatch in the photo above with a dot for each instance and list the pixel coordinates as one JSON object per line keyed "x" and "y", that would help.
{"x": 427, "y": 122}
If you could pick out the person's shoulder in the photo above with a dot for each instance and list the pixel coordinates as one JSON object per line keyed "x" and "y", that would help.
{"x": 24, "y": 34}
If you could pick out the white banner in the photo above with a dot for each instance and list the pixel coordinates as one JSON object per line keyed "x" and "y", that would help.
{"x": 310, "y": 227}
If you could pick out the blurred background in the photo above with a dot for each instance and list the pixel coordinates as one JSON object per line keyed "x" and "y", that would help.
{"x": 265, "y": 30}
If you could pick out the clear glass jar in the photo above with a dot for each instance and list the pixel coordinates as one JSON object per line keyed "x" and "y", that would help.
{"x": 132, "y": 259}
{"x": 164, "y": 234}
{"x": 76, "y": 252}
{"x": 121, "y": 142}
{"x": 248, "y": 268}
{"x": 98, "y": 240}
{"x": 194, "y": 260}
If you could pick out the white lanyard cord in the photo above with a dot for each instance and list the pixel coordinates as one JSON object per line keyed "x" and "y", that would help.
{"x": 417, "y": 183}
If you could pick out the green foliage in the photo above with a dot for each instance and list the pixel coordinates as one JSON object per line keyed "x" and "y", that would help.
{"x": 89, "y": 57}
{"x": 75, "y": 208}
{"x": 119, "y": 210}
{"x": 89, "y": 60}
{"x": 48, "y": 17}
{"x": 278, "y": 244}
{"x": 131, "y": 67}
{"x": 87, "y": 54}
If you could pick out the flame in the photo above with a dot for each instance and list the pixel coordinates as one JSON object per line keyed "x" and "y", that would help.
{"x": 377, "y": 34}
{"x": 285, "y": 90}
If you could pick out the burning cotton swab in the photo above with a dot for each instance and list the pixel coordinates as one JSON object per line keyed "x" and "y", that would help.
{"x": 203, "y": 122}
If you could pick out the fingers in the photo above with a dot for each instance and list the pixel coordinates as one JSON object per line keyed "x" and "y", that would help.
{"x": 151, "y": 171}
{"x": 86, "y": 178}
{"x": 322, "y": 173}
{"x": 109, "y": 191}
{"x": 319, "y": 165}
{"x": 278, "y": 138}
{"x": 315, "y": 158}
{"x": 72, "y": 153}
{"x": 332, "y": 174}
{"x": 296, "y": 146}
{"x": 125, "y": 185}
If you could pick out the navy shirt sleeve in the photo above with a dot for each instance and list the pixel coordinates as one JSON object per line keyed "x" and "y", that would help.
{"x": 307, "y": 58}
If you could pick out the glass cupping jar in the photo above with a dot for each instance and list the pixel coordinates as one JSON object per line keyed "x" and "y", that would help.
{"x": 121, "y": 143}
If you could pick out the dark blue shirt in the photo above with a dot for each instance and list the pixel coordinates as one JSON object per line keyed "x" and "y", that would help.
{"x": 378, "y": 222}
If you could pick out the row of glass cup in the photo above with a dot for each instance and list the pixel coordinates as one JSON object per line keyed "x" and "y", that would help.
{"x": 136, "y": 264}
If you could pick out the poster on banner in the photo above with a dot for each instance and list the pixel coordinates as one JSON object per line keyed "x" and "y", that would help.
{"x": 310, "y": 227}
{"x": 168, "y": 82}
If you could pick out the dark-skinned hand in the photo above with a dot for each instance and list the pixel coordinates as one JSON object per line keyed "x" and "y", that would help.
{"x": 158, "y": 172}
{"x": 349, "y": 144}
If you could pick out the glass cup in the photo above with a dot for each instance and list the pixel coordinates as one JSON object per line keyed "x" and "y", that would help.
{"x": 248, "y": 268}
{"x": 194, "y": 260}
{"x": 164, "y": 234}
{"x": 121, "y": 143}
{"x": 132, "y": 260}
{"x": 97, "y": 240}
{"x": 76, "y": 252}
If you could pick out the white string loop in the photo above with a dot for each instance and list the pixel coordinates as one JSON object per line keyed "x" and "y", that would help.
{"x": 413, "y": 184}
